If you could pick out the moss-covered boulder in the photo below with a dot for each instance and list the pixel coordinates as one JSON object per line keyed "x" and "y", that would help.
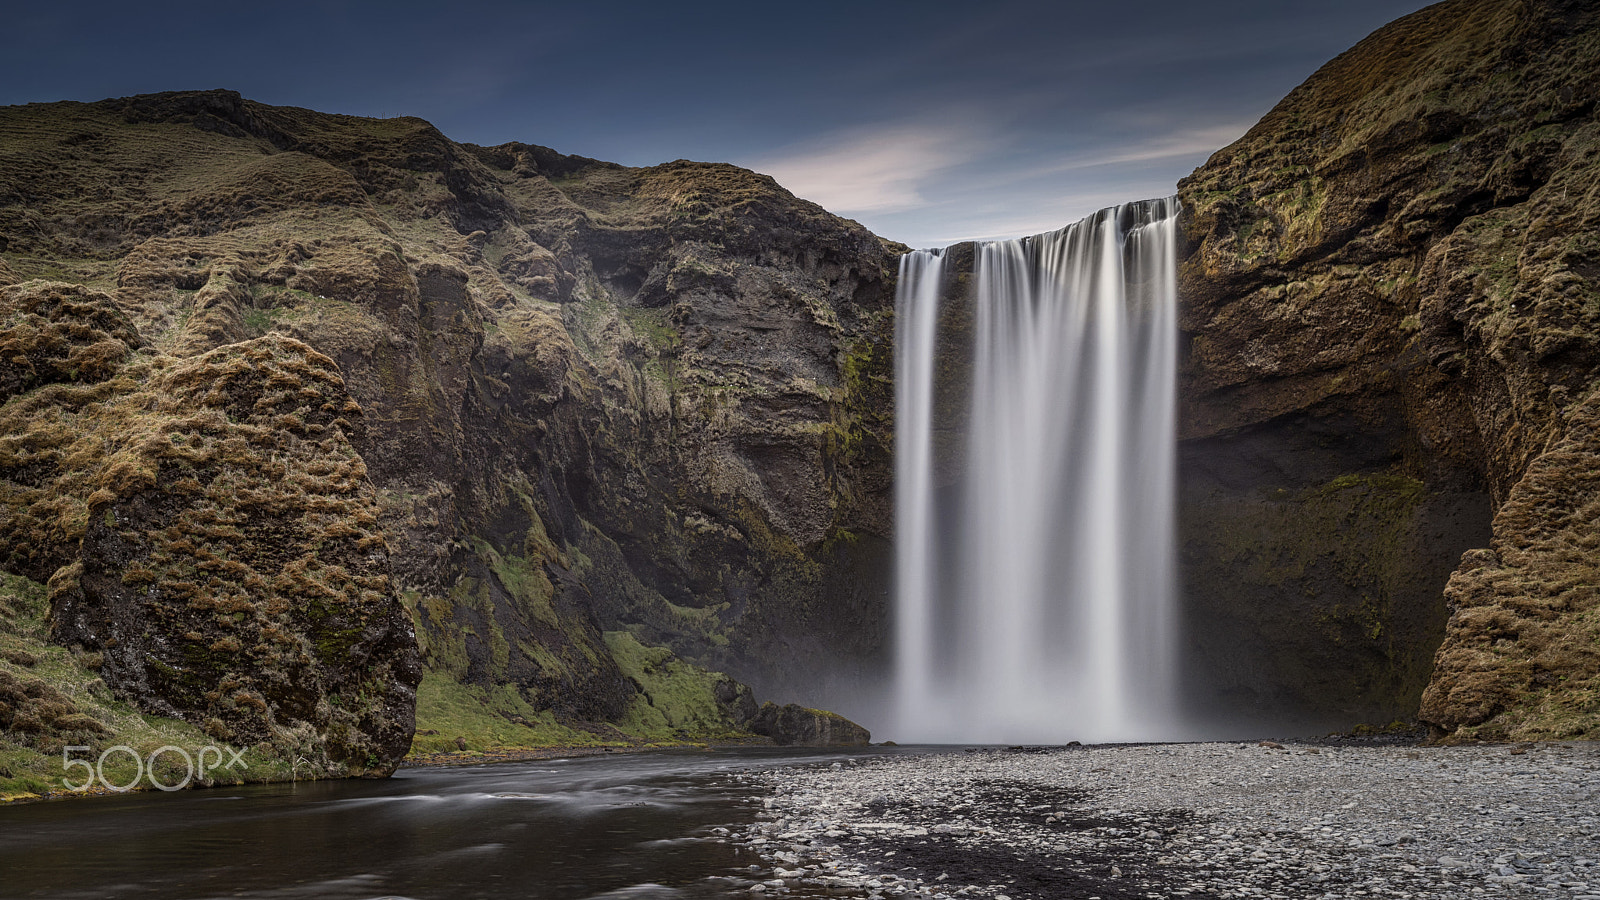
{"x": 205, "y": 526}
{"x": 795, "y": 725}
{"x": 53, "y": 701}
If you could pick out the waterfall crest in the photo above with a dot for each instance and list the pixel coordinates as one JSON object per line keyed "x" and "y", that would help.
{"x": 1034, "y": 588}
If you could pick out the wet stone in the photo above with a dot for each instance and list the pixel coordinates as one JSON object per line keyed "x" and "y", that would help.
{"x": 1201, "y": 821}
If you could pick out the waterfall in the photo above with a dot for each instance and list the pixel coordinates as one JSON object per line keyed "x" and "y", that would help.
{"x": 1035, "y": 570}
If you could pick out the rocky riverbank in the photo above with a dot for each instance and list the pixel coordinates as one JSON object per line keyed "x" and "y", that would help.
{"x": 1192, "y": 820}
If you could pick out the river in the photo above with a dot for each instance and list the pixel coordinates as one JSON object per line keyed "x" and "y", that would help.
{"x": 635, "y": 825}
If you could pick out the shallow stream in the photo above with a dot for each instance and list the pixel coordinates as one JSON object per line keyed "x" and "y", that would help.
{"x": 615, "y": 826}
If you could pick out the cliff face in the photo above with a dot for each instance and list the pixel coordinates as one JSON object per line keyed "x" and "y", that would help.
{"x": 304, "y": 413}
{"x": 1392, "y": 321}
{"x": 554, "y": 412}
{"x": 206, "y": 527}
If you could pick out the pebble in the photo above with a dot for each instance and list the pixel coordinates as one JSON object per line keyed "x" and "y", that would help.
{"x": 1216, "y": 821}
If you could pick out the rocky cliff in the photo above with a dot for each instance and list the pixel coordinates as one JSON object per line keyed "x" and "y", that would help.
{"x": 206, "y": 527}
{"x": 1392, "y": 331}
{"x": 307, "y": 415}
{"x": 283, "y": 388}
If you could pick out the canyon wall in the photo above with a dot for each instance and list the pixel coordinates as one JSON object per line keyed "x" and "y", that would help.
{"x": 589, "y": 431}
{"x": 308, "y": 416}
{"x": 1392, "y": 333}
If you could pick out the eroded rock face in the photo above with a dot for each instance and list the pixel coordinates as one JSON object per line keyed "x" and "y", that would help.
{"x": 595, "y": 399}
{"x": 207, "y": 527}
{"x": 1393, "y": 333}
{"x": 1522, "y": 654}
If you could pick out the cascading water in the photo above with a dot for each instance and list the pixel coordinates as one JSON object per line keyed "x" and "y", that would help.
{"x": 1034, "y": 590}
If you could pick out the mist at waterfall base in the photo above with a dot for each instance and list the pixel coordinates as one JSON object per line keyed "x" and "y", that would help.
{"x": 1035, "y": 487}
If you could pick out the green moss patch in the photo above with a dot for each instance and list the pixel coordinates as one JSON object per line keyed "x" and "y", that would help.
{"x": 451, "y": 714}
{"x": 675, "y": 701}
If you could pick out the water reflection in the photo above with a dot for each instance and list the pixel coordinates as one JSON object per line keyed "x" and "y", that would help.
{"x": 628, "y": 826}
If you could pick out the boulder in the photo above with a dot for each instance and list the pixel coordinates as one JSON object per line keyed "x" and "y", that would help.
{"x": 795, "y": 725}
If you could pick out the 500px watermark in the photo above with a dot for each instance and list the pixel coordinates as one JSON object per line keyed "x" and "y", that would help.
{"x": 206, "y": 759}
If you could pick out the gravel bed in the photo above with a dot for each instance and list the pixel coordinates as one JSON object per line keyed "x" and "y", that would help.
{"x": 1200, "y": 821}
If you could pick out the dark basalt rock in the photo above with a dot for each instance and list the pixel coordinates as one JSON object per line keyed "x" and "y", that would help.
{"x": 791, "y": 725}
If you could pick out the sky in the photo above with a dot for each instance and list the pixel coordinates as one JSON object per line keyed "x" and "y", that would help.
{"x": 929, "y": 122}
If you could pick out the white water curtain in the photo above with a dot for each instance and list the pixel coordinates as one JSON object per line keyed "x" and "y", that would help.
{"x": 1057, "y": 624}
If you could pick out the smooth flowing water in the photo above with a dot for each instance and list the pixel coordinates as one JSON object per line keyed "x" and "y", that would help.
{"x": 1035, "y": 580}
{"x": 633, "y": 826}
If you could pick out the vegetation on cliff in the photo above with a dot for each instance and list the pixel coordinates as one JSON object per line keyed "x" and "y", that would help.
{"x": 303, "y": 413}
{"x": 1397, "y": 272}
{"x": 292, "y": 396}
{"x": 54, "y": 705}
{"x": 206, "y": 530}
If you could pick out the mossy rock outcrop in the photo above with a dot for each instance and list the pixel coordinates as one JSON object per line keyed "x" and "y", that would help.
{"x": 593, "y": 399}
{"x": 795, "y": 725}
{"x": 55, "y": 705}
{"x": 206, "y": 527}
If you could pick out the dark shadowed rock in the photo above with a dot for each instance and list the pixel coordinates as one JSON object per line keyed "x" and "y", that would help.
{"x": 792, "y": 724}
{"x": 1393, "y": 336}
{"x": 737, "y": 700}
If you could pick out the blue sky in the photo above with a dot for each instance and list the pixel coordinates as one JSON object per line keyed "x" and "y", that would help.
{"x": 927, "y": 122}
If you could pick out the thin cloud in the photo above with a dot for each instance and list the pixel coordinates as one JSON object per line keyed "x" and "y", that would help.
{"x": 990, "y": 198}
{"x": 1195, "y": 142}
{"x": 875, "y": 171}
{"x": 932, "y": 184}
{"x": 1015, "y": 215}
{"x": 1000, "y": 228}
